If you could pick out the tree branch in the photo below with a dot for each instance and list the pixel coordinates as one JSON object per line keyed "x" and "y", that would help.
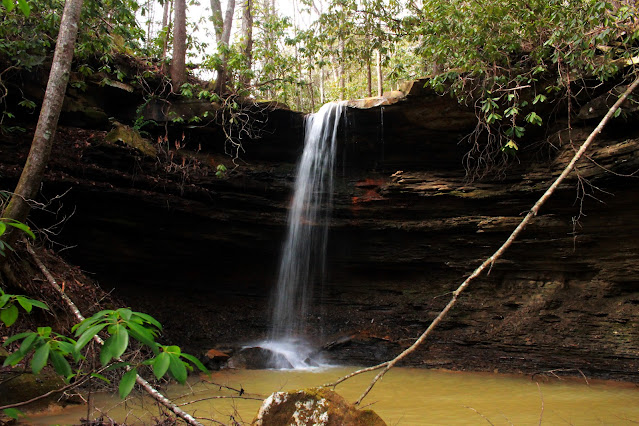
{"x": 491, "y": 260}
{"x": 140, "y": 381}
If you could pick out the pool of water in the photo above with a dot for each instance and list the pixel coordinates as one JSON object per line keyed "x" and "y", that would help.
{"x": 405, "y": 396}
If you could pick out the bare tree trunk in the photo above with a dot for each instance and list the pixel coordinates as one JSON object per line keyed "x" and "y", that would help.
{"x": 322, "y": 93}
{"x": 310, "y": 85}
{"x": 342, "y": 77}
{"x": 33, "y": 171}
{"x": 247, "y": 41}
{"x": 149, "y": 23}
{"x": 369, "y": 77}
{"x": 228, "y": 22}
{"x": 380, "y": 75}
{"x": 218, "y": 20}
{"x": 178, "y": 61}
{"x": 166, "y": 26}
{"x": 222, "y": 27}
{"x": 488, "y": 263}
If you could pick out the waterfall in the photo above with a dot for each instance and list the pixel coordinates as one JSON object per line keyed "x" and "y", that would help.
{"x": 302, "y": 266}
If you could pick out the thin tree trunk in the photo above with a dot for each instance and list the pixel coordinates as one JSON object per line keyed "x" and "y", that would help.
{"x": 310, "y": 85}
{"x": 178, "y": 61}
{"x": 218, "y": 20}
{"x": 342, "y": 77}
{"x": 222, "y": 27}
{"x": 322, "y": 93}
{"x": 33, "y": 171}
{"x": 488, "y": 263}
{"x": 166, "y": 27}
{"x": 247, "y": 41}
{"x": 380, "y": 75}
{"x": 369, "y": 77}
{"x": 228, "y": 22}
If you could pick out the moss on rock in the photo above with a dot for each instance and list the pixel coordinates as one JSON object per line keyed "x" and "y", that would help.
{"x": 316, "y": 406}
{"x": 132, "y": 138}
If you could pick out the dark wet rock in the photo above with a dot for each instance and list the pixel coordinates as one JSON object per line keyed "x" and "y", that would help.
{"x": 257, "y": 358}
{"x": 200, "y": 252}
{"x": 214, "y": 359}
{"x": 321, "y": 407}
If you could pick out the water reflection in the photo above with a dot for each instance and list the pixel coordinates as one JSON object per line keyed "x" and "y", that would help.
{"x": 404, "y": 397}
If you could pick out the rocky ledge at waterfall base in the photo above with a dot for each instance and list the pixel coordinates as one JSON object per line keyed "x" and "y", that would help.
{"x": 200, "y": 252}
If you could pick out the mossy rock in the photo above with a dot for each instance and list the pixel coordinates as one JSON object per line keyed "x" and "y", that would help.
{"x": 131, "y": 137}
{"x": 18, "y": 386}
{"x": 316, "y": 406}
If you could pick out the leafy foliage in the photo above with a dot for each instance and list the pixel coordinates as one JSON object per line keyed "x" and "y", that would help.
{"x": 120, "y": 325}
{"x": 4, "y": 222}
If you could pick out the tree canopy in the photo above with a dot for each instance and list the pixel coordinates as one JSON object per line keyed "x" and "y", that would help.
{"x": 507, "y": 58}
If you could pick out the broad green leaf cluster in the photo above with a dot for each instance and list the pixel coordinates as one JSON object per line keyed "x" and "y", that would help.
{"x": 120, "y": 326}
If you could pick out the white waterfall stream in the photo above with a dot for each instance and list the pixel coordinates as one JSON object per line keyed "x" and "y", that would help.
{"x": 302, "y": 267}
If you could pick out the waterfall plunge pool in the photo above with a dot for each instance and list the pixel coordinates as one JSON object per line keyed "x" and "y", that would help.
{"x": 405, "y": 397}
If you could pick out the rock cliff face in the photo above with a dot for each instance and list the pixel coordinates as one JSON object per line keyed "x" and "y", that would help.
{"x": 200, "y": 252}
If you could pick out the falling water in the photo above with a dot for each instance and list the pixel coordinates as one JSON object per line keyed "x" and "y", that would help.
{"x": 302, "y": 266}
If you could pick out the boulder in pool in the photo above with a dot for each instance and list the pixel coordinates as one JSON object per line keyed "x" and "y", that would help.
{"x": 317, "y": 406}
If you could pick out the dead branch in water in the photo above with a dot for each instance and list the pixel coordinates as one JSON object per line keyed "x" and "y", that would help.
{"x": 488, "y": 263}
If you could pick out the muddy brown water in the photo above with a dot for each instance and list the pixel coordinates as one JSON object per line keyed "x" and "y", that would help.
{"x": 405, "y": 396}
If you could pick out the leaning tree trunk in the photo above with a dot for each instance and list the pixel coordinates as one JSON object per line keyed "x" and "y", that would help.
{"x": 33, "y": 171}
{"x": 178, "y": 61}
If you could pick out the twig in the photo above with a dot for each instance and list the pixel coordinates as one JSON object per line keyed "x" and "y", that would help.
{"x": 484, "y": 417}
{"x": 140, "y": 381}
{"x": 541, "y": 395}
{"x": 219, "y": 397}
{"x": 491, "y": 260}
{"x": 51, "y": 392}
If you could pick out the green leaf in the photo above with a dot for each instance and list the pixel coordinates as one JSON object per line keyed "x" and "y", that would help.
{"x": 617, "y": 113}
{"x": 116, "y": 365}
{"x": 4, "y": 299}
{"x": 25, "y": 303}
{"x": 149, "y": 319}
{"x": 40, "y": 358}
{"x": 24, "y": 228}
{"x": 17, "y": 337}
{"x": 24, "y": 7}
{"x": 8, "y": 4}
{"x": 196, "y": 362}
{"x": 107, "y": 351}
{"x": 60, "y": 364}
{"x": 127, "y": 383}
{"x": 44, "y": 331}
{"x": 101, "y": 377}
{"x": 39, "y": 304}
{"x": 66, "y": 348}
{"x": 3, "y": 228}
{"x": 161, "y": 365}
{"x": 13, "y": 413}
{"x": 13, "y": 359}
{"x": 27, "y": 343}
{"x": 88, "y": 335}
{"x": 177, "y": 368}
{"x": 9, "y": 315}
{"x": 125, "y": 313}
{"x": 143, "y": 335}
{"x": 120, "y": 341}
